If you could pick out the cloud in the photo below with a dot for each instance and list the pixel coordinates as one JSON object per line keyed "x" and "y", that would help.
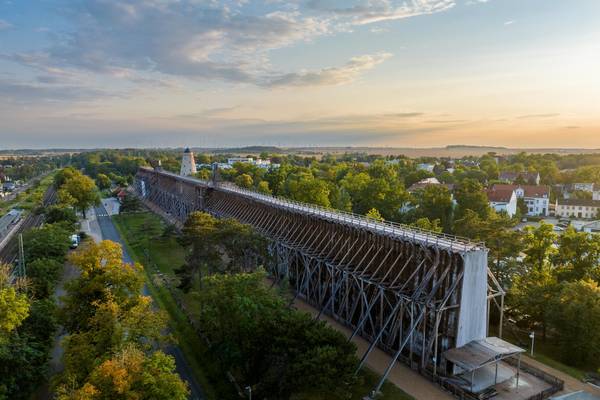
{"x": 330, "y": 76}
{"x": 22, "y": 92}
{"x": 228, "y": 40}
{"x": 534, "y": 116}
{"x": 510, "y": 22}
{"x": 4, "y": 25}
{"x": 370, "y": 11}
{"x": 211, "y": 40}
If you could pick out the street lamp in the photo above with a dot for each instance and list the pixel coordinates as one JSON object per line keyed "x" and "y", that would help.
{"x": 249, "y": 390}
{"x": 532, "y": 337}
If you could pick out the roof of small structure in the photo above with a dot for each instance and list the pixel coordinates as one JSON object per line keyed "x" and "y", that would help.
{"x": 479, "y": 353}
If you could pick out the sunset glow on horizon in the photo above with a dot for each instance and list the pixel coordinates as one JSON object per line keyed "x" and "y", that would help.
{"x": 420, "y": 73}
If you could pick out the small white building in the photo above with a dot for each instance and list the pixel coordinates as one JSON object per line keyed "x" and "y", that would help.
{"x": 234, "y": 160}
{"x": 577, "y": 208}
{"x": 503, "y": 200}
{"x": 536, "y": 198}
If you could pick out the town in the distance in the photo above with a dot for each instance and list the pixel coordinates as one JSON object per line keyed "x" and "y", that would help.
{"x": 300, "y": 273}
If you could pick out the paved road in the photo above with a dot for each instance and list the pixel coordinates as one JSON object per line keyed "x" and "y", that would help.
{"x": 109, "y": 232}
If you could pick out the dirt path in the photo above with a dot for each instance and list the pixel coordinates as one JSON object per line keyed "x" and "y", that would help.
{"x": 402, "y": 376}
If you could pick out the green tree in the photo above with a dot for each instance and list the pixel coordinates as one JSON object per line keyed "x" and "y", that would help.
{"x": 131, "y": 374}
{"x": 14, "y": 305}
{"x": 304, "y": 187}
{"x": 374, "y": 214}
{"x": 103, "y": 276}
{"x": 244, "y": 181}
{"x": 263, "y": 187}
{"x": 199, "y": 234}
{"x": 64, "y": 175}
{"x": 530, "y": 297}
{"x": 578, "y": 256}
{"x": 425, "y": 224}
{"x": 539, "y": 245}
{"x": 103, "y": 181}
{"x": 111, "y": 328}
{"x": 435, "y": 203}
{"x": 576, "y": 318}
{"x": 277, "y": 350}
{"x": 57, "y": 214}
{"x": 44, "y": 274}
{"x": 48, "y": 241}
{"x": 471, "y": 196}
{"x": 79, "y": 191}
{"x": 24, "y": 356}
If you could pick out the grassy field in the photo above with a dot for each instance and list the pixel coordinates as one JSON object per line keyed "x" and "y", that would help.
{"x": 161, "y": 255}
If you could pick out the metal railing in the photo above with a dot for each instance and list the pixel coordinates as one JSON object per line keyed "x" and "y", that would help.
{"x": 402, "y": 231}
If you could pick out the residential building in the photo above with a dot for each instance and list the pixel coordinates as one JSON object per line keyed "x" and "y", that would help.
{"x": 531, "y": 178}
{"x": 536, "y": 198}
{"x": 577, "y": 208}
{"x": 503, "y": 200}
{"x": 567, "y": 190}
{"x": 426, "y": 167}
{"x": 234, "y": 160}
{"x": 266, "y": 164}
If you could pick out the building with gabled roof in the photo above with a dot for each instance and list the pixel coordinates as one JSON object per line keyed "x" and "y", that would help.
{"x": 577, "y": 208}
{"x": 536, "y": 198}
{"x": 503, "y": 200}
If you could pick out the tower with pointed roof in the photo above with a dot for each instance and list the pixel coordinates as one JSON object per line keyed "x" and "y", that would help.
{"x": 188, "y": 164}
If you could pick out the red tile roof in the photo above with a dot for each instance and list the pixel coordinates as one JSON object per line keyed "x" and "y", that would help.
{"x": 529, "y": 190}
{"x": 500, "y": 195}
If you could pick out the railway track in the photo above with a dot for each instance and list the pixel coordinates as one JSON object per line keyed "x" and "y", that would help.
{"x": 10, "y": 252}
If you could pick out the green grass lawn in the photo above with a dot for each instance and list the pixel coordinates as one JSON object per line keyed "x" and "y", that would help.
{"x": 142, "y": 233}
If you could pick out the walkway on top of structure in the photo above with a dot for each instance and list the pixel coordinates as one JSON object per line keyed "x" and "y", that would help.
{"x": 451, "y": 243}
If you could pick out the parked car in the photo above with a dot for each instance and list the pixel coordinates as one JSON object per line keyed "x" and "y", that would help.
{"x": 74, "y": 241}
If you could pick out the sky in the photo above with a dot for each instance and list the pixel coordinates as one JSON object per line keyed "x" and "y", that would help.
{"x": 397, "y": 73}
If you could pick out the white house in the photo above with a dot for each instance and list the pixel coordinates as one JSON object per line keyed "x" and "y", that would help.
{"x": 577, "y": 208}
{"x": 503, "y": 200}
{"x": 537, "y": 198}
